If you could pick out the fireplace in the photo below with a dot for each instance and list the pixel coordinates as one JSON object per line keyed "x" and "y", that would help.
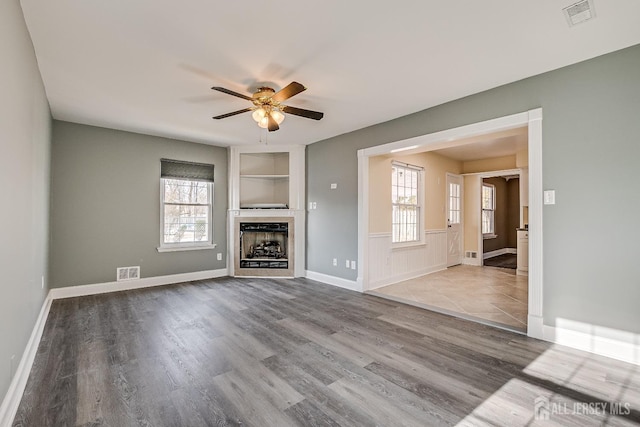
{"x": 265, "y": 247}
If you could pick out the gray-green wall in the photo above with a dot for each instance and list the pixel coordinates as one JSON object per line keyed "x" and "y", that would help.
{"x": 591, "y": 150}
{"x": 25, "y": 123}
{"x": 105, "y": 210}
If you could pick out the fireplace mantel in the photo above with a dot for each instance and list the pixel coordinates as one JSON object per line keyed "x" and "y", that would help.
{"x": 267, "y": 185}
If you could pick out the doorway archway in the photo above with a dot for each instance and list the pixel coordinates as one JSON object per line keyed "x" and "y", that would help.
{"x": 532, "y": 119}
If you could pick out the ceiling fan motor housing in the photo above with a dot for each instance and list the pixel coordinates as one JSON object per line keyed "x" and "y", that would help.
{"x": 263, "y": 95}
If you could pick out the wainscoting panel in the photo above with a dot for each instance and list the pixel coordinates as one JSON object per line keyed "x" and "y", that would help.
{"x": 389, "y": 265}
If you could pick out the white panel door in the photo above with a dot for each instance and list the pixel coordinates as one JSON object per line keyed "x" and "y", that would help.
{"x": 454, "y": 220}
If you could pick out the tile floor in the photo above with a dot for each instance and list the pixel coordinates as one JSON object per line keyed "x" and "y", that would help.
{"x": 492, "y": 294}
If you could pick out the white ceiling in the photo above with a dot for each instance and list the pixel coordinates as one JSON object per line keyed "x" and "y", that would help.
{"x": 498, "y": 144}
{"x": 147, "y": 65}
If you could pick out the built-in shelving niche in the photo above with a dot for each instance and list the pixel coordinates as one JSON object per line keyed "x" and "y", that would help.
{"x": 267, "y": 185}
{"x": 264, "y": 180}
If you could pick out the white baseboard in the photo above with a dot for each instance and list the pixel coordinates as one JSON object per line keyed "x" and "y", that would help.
{"x": 18, "y": 383}
{"x": 335, "y": 281}
{"x": 620, "y": 345}
{"x": 146, "y": 282}
{"x": 499, "y": 252}
{"x": 471, "y": 261}
{"x": 405, "y": 276}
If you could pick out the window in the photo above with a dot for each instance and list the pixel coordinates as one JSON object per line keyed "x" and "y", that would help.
{"x": 405, "y": 200}
{"x": 186, "y": 199}
{"x": 488, "y": 210}
{"x": 454, "y": 203}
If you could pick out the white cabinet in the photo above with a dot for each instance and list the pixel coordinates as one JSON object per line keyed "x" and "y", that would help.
{"x": 523, "y": 252}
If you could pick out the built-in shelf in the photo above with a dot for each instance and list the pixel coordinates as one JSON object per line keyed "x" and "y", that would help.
{"x": 267, "y": 185}
{"x": 265, "y": 176}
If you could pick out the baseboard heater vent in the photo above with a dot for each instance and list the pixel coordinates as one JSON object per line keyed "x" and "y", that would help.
{"x": 128, "y": 273}
{"x": 471, "y": 254}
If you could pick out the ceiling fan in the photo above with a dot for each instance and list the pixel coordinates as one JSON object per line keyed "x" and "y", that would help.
{"x": 268, "y": 109}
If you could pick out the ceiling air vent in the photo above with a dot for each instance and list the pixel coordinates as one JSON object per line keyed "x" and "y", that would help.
{"x": 579, "y": 12}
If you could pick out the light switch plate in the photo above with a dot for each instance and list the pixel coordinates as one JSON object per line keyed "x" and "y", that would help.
{"x": 334, "y": 186}
{"x": 549, "y": 197}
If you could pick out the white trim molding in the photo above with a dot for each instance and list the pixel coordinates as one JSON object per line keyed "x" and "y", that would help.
{"x": 608, "y": 342}
{"x": 472, "y": 261}
{"x": 499, "y": 252}
{"x": 146, "y": 282}
{"x": 334, "y": 281}
{"x": 535, "y": 224}
{"x": 19, "y": 382}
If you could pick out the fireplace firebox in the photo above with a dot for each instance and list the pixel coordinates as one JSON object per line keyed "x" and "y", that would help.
{"x": 264, "y": 245}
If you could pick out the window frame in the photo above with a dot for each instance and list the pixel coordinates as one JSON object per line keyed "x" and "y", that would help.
{"x": 186, "y": 246}
{"x": 419, "y": 205}
{"x": 492, "y": 234}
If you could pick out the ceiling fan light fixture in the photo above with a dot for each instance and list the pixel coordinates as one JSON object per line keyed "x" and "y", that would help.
{"x": 268, "y": 110}
{"x": 277, "y": 116}
{"x": 261, "y": 116}
{"x": 258, "y": 114}
{"x": 264, "y": 122}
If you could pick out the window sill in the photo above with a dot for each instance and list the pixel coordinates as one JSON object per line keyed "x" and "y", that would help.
{"x": 186, "y": 248}
{"x": 489, "y": 236}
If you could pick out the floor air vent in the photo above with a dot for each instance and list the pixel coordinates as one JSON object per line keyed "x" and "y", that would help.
{"x": 128, "y": 273}
{"x": 579, "y": 12}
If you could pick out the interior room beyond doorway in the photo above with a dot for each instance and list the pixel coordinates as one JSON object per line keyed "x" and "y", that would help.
{"x": 487, "y": 294}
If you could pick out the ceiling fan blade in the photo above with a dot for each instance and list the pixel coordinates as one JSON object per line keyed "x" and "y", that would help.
{"x": 288, "y": 91}
{"x": 273, "y": 125}
{"x": 230, "y": 92}
{"x": 315, "y": 115}
{"x": 223, "y": 116}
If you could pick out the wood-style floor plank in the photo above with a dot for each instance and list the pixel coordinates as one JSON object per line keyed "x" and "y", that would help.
{"x": 276, "y": 352}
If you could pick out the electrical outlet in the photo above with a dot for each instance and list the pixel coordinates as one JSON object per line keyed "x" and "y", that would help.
{"x": 219, "y": 256}
{"x": 346, "y": 263}
{"x": 334, "y": 186}
{"x": 353, "y": 265}
{"x": 315, "y": 206}
{"x": 335, "y": 262}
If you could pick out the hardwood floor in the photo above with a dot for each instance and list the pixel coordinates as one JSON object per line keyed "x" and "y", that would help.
{"x": 269, "y": 352}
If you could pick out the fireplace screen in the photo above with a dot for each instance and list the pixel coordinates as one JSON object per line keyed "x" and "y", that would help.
{"x": 264, "y": 245}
